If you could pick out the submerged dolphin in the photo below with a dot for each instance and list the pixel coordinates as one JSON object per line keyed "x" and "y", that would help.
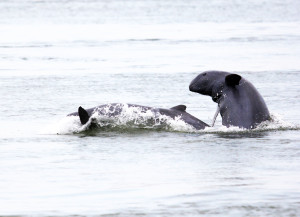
{"x": 239, "y": 103}
{"x": 116, "y": 109}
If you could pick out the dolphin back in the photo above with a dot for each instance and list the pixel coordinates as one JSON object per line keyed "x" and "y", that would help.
{"x": 115, "y": 110}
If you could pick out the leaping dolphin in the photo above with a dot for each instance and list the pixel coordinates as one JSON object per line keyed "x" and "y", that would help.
{"x": 239, "y": 103}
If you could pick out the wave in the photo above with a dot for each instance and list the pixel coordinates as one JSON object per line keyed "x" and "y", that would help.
{"x": 133, "y": 120}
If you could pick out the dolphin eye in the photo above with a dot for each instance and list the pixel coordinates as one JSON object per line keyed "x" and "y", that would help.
{"x": 204, "y": 74}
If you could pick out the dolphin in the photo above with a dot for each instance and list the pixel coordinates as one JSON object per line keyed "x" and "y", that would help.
{"x": 239, "y": 102}
{"x": 117, "y": 109}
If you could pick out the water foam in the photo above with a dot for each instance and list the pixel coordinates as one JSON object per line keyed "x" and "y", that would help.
{"x": 137, "y": 117}
{"x": 67, "y": 125}
{"x": 275, "y": 123}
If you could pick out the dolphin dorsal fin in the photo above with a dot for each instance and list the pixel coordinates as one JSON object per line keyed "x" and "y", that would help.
{"x": 179, "y": 108}
{"x": 83, "y": 115}
{"x": 233, "y": 79}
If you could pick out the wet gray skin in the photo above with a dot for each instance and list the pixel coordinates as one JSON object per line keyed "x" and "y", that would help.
{"x": 115, "y": 109}
{"x": 239, "y": 102}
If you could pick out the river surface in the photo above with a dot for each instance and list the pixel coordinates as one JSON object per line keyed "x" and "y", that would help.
{"x": 58, "y": 55}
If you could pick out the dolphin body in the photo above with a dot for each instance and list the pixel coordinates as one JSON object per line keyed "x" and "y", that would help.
{"x": 116, "y": 109}
{"x": 239, "y": 102}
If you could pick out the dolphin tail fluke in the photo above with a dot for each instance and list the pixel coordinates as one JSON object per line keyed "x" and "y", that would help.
{"x": 83, "y": 115}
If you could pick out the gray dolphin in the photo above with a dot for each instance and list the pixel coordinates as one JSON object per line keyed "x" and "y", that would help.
{"x": 116, "y": 109}
{"x": 239, "y": 103}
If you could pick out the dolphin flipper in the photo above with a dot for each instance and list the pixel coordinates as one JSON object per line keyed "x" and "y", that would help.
{"x": 216, "y": 115}
{"x": 83, "y": 115}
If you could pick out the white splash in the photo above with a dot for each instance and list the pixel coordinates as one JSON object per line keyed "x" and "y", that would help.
{"x": 67, "y": 125}
{"x": 276, "y": 123}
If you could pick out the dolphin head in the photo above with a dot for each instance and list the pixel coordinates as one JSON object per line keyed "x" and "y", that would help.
{"x": 211, "y": 83}
{"x": 206, "y": 82}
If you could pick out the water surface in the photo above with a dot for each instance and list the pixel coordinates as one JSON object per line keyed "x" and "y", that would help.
{"x": 58, "y": 55}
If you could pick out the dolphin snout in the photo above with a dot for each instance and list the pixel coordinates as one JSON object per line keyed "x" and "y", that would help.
{"x": 193, "y": 86}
